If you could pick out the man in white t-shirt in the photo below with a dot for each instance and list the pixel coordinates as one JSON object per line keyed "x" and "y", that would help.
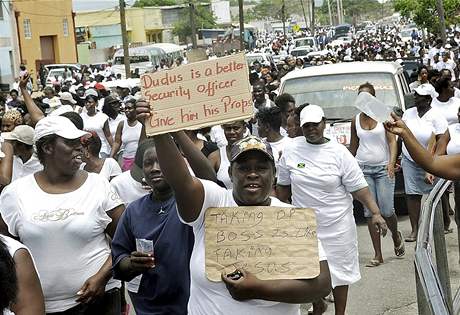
{"x": 22, "y": 160}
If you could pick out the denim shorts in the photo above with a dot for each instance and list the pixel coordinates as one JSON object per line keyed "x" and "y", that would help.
{"x": 381, "y": 187}
{"x": 414, "y": 178}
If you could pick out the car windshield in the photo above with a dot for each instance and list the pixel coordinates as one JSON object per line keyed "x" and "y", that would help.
{"x": 406, "y": 33}
{"x": 304, "y": 42}
{"x": 251, "y": 59}
{"x": 296, "y": 53}
{"x": 132, "y": 59}
{"x": 336, "y": 93}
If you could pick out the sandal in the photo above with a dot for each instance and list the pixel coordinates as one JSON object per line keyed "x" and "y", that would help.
{"x": 410, "y": 239}
{"x": 401, "y": 249}
{"x": 448, "y": 231}
{"x": 373, "y": 263}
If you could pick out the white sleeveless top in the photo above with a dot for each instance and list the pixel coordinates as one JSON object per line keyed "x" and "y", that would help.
{"x": 453, "y": 147}
{"x": 222, "y": 173}
{"x": 373, "y": 149}
{"x": 130, "y": 138}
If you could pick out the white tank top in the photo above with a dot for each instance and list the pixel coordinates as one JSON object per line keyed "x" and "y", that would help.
{"x": 130, "y": 138}
{"x": 453, "y": 147}
{"x": 373, "y": 147}
{"x": 222, "y": 173}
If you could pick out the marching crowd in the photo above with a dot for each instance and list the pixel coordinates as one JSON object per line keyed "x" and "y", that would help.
{"x": 91, "y": 207}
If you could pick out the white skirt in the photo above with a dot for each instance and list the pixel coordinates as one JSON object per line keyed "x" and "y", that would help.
{"x": 340, "y": 243}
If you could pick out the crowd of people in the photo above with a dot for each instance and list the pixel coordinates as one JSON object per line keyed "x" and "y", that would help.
{"x": 91, "y": 207}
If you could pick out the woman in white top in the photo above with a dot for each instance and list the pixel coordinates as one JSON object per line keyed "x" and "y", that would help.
{"x": 376, "y": 151}
{"x": 426, "y": 123}
{"x": 112, "y": 108}
{"x": 323, "y": 175}
{"x": 252, "y": 171}
{"x": 62, "y": 214}
{"x": 233, "y": 132}
{"x": 422, "y": 78}
{"x": 92, "y": 163}
{"x": 20, "y": 287}
{"x": 127, "y": 136}
{"x": 446, "y": 102}
{"x": 97, "y": 121}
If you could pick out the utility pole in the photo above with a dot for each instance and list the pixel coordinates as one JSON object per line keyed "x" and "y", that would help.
{"x": 283, "y": 17}
{"x": 442, "y": 20}
{"x": 192, "y": 23}
{"x": 241, "y": 17}
{"x": 304, "y": 14}
{"x": 329, "y": 9}
{"x": 312, "y": 17}
{"x": 124, "y": 37}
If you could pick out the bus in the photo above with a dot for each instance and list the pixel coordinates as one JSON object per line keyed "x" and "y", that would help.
{"x": 146, "y": 58}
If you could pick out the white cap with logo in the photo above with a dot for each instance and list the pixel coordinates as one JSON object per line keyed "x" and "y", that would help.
{"x": 311, "y": 113}
{"x": 57, "y": 125}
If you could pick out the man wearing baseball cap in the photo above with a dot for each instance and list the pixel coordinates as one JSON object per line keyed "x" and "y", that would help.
{"x": 19, "y": 158}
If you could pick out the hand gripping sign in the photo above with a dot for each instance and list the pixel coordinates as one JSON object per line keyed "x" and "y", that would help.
{"x": 198, "y": 95}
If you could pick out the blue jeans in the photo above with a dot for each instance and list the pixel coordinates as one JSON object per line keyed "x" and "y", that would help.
{"x": 381, "y": 187}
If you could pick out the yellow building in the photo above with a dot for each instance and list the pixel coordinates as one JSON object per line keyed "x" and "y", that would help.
{"x": 103, "y": 27}
{"x": 46, "y": 32}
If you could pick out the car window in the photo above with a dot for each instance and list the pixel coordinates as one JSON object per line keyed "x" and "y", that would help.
{"x": 302, "y": 52}
{"x": 304, "y": 42}
{"x": 336, "y": 94}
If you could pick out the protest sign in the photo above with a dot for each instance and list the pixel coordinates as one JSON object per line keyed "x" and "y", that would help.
{"x": 197, "y": 95}
{"x": 270, "y": 242}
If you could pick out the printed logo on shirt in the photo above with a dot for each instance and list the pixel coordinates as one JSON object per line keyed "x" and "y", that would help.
{"x": 301, "y": 165}
{"x": 56, "y": 215}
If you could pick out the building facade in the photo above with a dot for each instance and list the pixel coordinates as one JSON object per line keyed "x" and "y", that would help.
{"x": 9, "y": 52}
{"x": 46, "y": 32}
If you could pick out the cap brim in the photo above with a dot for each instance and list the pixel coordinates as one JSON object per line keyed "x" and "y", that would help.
{"x": 8, "y": 136}
{"x": 72, "y": 134}
{"x": 252, "y": 149}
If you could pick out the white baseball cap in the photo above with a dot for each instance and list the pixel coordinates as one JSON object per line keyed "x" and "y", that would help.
{"x": 66, "y": 96}
{"x": 21, "y": 133}
{"x": 57, "y": 125}
{"x": 311, "y": 113}
{"x": 426, "y": 89}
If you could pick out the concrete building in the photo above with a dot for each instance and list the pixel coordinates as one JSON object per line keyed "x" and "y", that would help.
{"x": 144, "y": 25}
{"x": 9, "y": 51}
{"x": 46, "y": 32}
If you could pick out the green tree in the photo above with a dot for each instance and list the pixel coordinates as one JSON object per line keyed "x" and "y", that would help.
{"x": 153, "y": 3}
{"x": 203, "y": 19}
{"x": 425, "y": 14}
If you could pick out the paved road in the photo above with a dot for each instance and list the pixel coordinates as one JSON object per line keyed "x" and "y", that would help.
{"x": 388, "y": 288}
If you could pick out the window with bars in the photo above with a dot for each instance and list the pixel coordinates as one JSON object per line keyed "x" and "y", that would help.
{"x": 65, "y": 26}
{"x": 27, "y": 29}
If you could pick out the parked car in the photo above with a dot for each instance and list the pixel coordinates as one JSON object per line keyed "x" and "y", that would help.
{"x": 75, "y": 67}
{"x": 306, "y": 42}
{"x": 261, "y": 57}
{"x": 53, "y": 74}
{"x": 335, "y": 87}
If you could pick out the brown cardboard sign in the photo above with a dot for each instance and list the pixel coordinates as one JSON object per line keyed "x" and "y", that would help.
{"x": 198, "y": 95}
{"x": 270, "y": 242}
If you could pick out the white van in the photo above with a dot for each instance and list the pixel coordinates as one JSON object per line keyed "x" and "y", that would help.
{"x": 334, "y": 87}
{"x": 145, "y": 58}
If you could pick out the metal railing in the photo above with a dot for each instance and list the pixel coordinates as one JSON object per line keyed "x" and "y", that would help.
{"x": 432, "y": 276}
